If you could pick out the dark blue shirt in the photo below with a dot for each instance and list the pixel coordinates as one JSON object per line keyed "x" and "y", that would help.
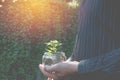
{"x": 97, "y": 45}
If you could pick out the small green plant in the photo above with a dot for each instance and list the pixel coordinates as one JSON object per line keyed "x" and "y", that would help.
{"x": 53, "y": 46}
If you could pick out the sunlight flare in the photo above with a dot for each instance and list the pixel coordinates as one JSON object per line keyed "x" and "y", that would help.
{"x": 73, "y": 4}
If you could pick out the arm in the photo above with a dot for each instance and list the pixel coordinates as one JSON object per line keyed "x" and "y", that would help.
{"x": 104, "y": 62}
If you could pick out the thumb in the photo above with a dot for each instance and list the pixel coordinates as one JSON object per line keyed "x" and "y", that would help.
{"x": 50, "y": 68}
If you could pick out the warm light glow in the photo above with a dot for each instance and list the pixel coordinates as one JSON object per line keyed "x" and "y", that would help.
{"x": 3, "y": 0}
{"x": 34, "y": 17}
{"x": 73, "y": 4}
{"x": 15, "y": 1}
{"x": 0, "y": 6}
{"x": 31, "y": 13}
{"x": 45, "y": 9}
{"x": 41, "y": 7}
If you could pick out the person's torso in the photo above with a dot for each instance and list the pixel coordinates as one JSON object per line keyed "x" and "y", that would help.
{"x": 99, "y": 28}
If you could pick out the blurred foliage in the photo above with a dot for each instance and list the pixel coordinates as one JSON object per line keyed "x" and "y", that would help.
{"x": 25, "y": 25}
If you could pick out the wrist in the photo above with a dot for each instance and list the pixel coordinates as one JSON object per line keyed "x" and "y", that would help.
{"x": 75, "y": 66}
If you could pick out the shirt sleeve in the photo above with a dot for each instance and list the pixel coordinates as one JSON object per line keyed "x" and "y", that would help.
{"x": 104, "y": 62}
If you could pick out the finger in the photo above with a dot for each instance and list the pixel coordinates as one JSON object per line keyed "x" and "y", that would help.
{"x": 49, "y": 79}
{"x": 51, "y": 75}
{"x": 41, "y": 67}
{"x": 48, "y": 74}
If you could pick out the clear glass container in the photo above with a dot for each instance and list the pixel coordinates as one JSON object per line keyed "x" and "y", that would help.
{"x": 49, "y": 59}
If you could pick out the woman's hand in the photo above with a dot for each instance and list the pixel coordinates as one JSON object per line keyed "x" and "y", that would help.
{"x": 59, "y": 70}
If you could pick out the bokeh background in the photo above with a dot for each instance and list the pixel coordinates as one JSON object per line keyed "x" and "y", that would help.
{"x": 25, "y": 25}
